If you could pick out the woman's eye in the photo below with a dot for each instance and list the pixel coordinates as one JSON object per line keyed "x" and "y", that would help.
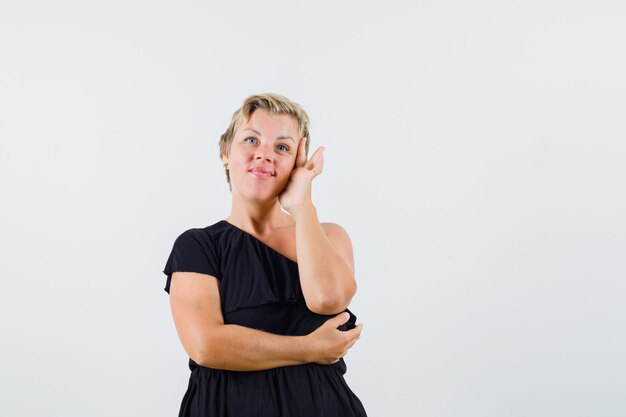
{"x": 252, "y": 140}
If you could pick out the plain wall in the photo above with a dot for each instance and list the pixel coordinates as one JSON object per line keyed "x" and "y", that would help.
{"x": 474, "y": 152}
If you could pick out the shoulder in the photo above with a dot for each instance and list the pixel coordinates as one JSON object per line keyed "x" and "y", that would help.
{"x": 207, "y": 233}
{"x": 200, "y": 238}
{"x": 334, "y": 229}
{"x": 339, "y": 238}
{"x": 195, "y": 234}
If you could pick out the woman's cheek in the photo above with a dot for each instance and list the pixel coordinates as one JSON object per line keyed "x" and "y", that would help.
{"x": 285, "y": 180}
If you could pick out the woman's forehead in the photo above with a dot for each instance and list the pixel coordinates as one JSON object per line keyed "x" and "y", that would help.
{"x": 263, "y": 122}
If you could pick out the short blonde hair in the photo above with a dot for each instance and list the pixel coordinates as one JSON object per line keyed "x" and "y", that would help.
{"x": 273, "y": 103}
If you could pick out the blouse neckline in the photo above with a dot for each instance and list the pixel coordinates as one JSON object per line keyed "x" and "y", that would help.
{"x": 259, "y": 241}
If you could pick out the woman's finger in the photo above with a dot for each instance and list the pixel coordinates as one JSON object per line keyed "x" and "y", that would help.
{"x": 301, "y": 155}
{"x": 317, "y": 160}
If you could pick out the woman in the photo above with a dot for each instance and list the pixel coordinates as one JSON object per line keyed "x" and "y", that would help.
{"x": 260, "y": 299}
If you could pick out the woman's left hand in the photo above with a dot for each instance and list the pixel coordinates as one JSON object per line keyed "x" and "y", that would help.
{"x": 297, "y": 192}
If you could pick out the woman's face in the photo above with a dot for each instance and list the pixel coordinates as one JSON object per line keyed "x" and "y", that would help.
{"x": 262, "y": 155}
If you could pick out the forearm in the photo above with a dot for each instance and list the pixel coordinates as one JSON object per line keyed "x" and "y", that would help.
{"x": 238, "y": 348}
{"x": 326, "y": 279}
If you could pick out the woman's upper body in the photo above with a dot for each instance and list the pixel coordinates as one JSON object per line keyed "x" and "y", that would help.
{"x": 264, "y": 153}
{"x": 259, "y": 301}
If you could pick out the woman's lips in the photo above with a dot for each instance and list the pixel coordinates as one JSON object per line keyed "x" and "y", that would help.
{"x": 260, "y": 174}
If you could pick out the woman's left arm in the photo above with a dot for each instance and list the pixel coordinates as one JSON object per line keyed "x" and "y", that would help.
{"x": 325, "y": 262}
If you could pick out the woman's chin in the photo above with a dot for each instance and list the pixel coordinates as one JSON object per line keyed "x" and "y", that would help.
{"x": 260, "y": 190}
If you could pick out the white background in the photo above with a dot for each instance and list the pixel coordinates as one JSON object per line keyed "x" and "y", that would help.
{"x": 475, "y": 152}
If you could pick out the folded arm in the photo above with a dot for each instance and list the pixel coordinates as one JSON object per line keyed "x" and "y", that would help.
{"x": 196, "y": 309}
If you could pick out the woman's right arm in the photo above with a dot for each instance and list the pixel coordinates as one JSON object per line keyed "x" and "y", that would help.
{"x": 196, "y": 308}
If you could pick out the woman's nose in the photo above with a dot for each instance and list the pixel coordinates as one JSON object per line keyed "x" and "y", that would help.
{"x": 264, "y": 153}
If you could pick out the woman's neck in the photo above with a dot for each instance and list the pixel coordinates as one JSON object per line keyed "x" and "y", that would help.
{"x": 259, "y": 218}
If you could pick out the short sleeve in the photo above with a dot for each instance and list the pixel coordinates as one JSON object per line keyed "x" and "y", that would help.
{"x": 193, "y": 251}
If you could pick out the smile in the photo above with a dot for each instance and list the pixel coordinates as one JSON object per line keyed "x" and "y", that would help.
{"x": 261, "y": 174}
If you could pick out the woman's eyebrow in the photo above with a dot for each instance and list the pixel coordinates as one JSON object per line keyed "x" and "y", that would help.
{"x": 278, "y": 138}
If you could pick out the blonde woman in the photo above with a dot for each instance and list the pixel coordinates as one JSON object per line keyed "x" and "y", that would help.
{"x": 259, "y": 299}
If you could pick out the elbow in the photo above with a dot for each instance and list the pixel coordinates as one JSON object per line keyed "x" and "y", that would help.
{"x": 206, "y": 355}
{"x": 328, "y": 306}
{"x": 202, "y": 357}
{"x": 208, "y": 360}
{"x": 333, "y": 303}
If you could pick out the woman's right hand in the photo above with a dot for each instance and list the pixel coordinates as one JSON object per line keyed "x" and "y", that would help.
{"x": 328, "y": 344}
